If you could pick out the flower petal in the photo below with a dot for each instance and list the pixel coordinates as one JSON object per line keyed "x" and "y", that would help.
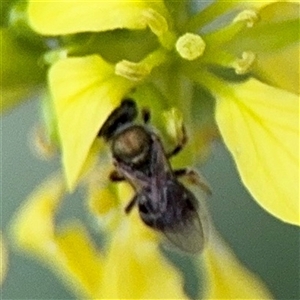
{"x": 79, "y": 261}
{"x": 33, "y": 227}
{"x": 272, "y": 32}
{"x": 133, "y": 255}
{"x": 65, "y": 17}
{"x": 102, "y": 198}
{"x": 69, "y": 252}
{"x": 260, "y": 126}
{"x": 280, "y": 68}
{"x": 226, "y": 277}
{"x": 85, "y": 91}
{"x": 136, "y": 269}
{"x": 258, "y": 4}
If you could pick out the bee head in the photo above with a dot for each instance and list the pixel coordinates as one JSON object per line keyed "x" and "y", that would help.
{"x": 121, "y": 116}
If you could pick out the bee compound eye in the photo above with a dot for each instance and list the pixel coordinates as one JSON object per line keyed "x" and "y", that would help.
{"x": 143, "y": 209}
{"x": 132, "y": 145}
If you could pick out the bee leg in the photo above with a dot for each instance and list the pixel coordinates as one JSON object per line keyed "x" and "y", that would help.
{"x": 194, "y": 178}
{"x": 180, "y": 145}
{"x": 115, "y": 176}
{"x": 146, "y": 115}
{"x": 130, "y": 205}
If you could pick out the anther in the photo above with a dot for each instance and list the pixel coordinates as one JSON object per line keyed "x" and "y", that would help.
{"x": 249, "y": 16}
{"x": 244, "y": 64}
{"x": 132, "y": 71}
{"x": 156, "y": 22}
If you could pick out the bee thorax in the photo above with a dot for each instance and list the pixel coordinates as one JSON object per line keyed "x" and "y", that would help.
{"x": 132, "y": 145}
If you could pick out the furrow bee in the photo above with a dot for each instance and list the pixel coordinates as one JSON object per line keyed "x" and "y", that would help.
{"x": 164, "y": 203}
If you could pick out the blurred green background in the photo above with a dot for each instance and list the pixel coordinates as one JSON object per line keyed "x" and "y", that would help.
{"x": 267, "y": 246}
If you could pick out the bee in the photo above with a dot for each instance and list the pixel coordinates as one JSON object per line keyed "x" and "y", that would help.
{"x": 163, "y": 202}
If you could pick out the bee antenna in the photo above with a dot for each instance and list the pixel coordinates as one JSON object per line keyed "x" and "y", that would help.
{"x": 125, "y": 113}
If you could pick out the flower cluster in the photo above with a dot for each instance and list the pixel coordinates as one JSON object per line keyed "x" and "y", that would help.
{"x": 227, "y": 69}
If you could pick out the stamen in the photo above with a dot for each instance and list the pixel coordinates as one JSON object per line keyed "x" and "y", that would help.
{"x": 155, "y": 21}
{"x": 190, "y": 46}
{"x": 244, "y": 64}
{"x": 131, "y": 70}
{"x": 138, "y": 71}
{"x": 249, "y": 16}
{"x": 174, "y": 124}
{"x": 159, "y": 26}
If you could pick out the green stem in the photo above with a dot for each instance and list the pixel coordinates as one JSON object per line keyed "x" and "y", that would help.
{"x": 205, "y": 78}
{"x": 216, "y": 56}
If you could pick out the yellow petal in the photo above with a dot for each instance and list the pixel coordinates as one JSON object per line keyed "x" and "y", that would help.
{"x": 132, "y": 257}
{"x": 260, "y": 126}
{"x": 102, "y": 198}
{"x": 281, "y": 67}
{"x": 33, "y": 227}
{"x": 259, "y": 4}
{"x": 85, "y": 91}
{"x": 136, "y": 269}
{"x": 69, "y": 252}
{"x": 280, "y": 11}
{"x": 79, "y": 262}
{"x": 103, "y": 201}
{"x": 226, "y": 277}
{"x": 65, "y": 17}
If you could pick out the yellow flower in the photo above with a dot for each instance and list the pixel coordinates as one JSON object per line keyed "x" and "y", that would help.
{"x": 130, "y": 266}
{"x": 253, "y": 44}
{"x": 211, "y": 77}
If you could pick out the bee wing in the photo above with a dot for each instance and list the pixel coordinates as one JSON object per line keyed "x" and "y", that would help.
{"x": 188, "y": 234}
